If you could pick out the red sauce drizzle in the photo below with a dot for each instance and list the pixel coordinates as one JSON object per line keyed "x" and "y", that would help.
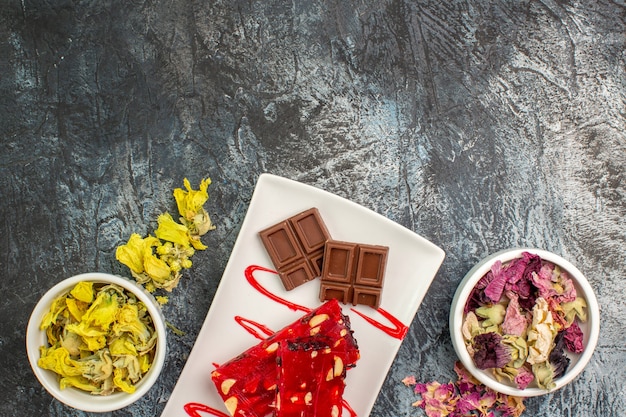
{"x": 257, "y": 330}
{"x": 399, "y": 330}
{"x": 346, "y": 406}
{"x": 255, "y": 284}
{"x": 192, "y": 410}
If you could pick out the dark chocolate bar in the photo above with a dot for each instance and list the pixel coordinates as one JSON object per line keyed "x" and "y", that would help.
{"x": 353, "y": 273}
{"x": 296, "y": 247}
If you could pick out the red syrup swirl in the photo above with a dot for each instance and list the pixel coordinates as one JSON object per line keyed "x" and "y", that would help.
{"x": 257, "y": 330}
{"x": 192, "y": 410}
{"x": 346, "y": 406}
{"x": 257, "y": 286}
{"x": 399, "y": 330}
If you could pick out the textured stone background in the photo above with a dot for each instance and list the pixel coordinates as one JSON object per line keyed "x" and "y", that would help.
{"x": 479, "y": 125}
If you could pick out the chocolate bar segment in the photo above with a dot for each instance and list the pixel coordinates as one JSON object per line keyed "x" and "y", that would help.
{"x": 353, "y": 273}
{"x": 281, "y": 245}
{"x": 339, "y": 261}
{"x": 371, "y": 267}
{"x": 296, "y": 247}
{"x": 335, "y": 291}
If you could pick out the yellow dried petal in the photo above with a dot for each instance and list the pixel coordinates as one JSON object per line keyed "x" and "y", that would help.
{"x": 120, "y": 380}
{"x": 73, "y": 343}
{"x": 83, "y": 291}
{"x": 127, "y": 321}
{"x": 190, "y": 207}
{"x": 518, "y": 349}
{"x": 122, "y": 346}
{"x": 78, "y": 382}
{"x": 541, "y": 334}
{"x": 145, "y": 363}
{"x": 190, "y": 202}
{"x": 574, "y": 309}
{"x": 171, "y": 231}
{"x": 493, "y": 315}
{"x": 131, "y": 254}
{"x": 197, "y": 245}
{"x": 544, "y": 375}
{"x": 50, "y": 318}
{"x": 58, "y": 360}
{"x": 103, "y": 310}
{"x": 202, "y": 223}
{"x": 157, "y": 269}
{"x": 76, "y": 308}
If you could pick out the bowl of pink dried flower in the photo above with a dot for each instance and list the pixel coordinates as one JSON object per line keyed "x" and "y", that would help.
{"x": 524, "y": 322}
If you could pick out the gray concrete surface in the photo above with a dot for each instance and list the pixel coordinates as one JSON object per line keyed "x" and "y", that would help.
{"x": 479, "y": 125}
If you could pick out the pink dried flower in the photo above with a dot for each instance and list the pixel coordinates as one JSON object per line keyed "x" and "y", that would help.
{"x": 514, "y": 322}
{"x": 489, "y": 352}
{"x": 524, "y": 378}
{"x": 535, "y": 300}
{"x": 574, "y": 338}
{"x": 519, "y": 278}
{"x": 465, "y": 398}
{"x": 409, "y": 381}
{"x": 438, "y": 400}
{"x": 495, "y": 287}
{"x": 552, "y": 282}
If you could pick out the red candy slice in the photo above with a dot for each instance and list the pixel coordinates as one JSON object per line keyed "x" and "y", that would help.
{"x": 249, "y": 382}
{"x": 311, "y": 379}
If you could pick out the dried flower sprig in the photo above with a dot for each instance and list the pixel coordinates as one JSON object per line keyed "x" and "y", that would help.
{"x": 157, "y": 261}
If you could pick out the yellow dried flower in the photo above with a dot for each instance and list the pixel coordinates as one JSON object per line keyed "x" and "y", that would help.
{"x": 190, "y": 207}
{"x": 83, "y": 291}
{"x": 191, "y": 202}
{"x": 171, "y": 231}
{"x": 133, "y": 253}
{"x": 157, "y": 262}
{"x": 101, "y": 346}
{"x": 162, "y": 300}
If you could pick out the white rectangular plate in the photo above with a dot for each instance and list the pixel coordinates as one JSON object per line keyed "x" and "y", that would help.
{"x": 411, "y": 266}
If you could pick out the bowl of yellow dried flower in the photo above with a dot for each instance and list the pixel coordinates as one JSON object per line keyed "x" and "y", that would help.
{"x": 96, "y": 342}
{"x": 524, "y": 322}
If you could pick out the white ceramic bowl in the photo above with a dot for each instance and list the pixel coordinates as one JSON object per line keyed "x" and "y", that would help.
{"x": 590, "y": 328}
{"x": 74, "y": 397}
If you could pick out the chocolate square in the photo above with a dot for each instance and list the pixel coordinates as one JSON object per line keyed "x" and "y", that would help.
{"x": 339, "y": 261}
{"x": 296, "y": 247}
{"x": 353, "y": 272}
{"x": 369, "y": 296}
{"x": 371, "y": 266}
{"x": 332, "y": 290}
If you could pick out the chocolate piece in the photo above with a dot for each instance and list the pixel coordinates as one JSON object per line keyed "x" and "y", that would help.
{"x": 353, "y": 273}
{"x": 296, "y": 247}
{"x": 333, "y": 291}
